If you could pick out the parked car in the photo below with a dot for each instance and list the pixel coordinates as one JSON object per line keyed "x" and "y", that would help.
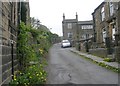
{"x": 65, "y": 43}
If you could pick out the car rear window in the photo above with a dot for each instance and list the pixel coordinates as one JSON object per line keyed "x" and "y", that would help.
{"x": 65, "y": 41}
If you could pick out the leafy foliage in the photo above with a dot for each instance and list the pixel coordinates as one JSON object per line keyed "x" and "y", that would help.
{"x": 109, "y": 59}
{"x": 34, "y": 74}
{"x": 33, "y": 42}
{"x": 23, "y": 48}
{"x": 33, "y": 46}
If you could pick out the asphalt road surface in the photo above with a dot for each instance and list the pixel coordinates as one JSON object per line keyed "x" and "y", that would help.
{"x": 66, "y": 67}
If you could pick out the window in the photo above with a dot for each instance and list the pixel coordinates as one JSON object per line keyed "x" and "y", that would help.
{"x": 70, "y": 35}
{"x": 84, "y": 36}
{"x": 111, "y": 8}
{"x": 113, "y": 32}
{"x": 104, "y": 34}
{"x": 87, "y": 26}
{"x": 103, "y": 13}
{"x": 69, "y": 25}
{"x": 82, "y": 27}
{"x": 87, "y": 35}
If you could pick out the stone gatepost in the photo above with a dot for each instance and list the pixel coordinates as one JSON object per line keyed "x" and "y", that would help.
{"x": 108, "y": 45}
{"x": 117, "y": 47}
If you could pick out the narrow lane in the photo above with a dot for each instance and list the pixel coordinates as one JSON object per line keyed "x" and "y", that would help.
{"x": 66, "y": 67}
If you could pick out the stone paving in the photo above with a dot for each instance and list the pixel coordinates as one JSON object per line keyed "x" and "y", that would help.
{"x": 95, "y": 58}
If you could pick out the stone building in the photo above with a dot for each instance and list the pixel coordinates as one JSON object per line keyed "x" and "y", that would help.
{"x": 25, "y": 12}
{"x": 106, "y": 26}
{"x": 85, "y": 33}
{"x": 8, "y": 27}
{"x": 69, "y": 28}
{"x": 77, "y": 31}
{"x": 99, "y": 24}
{"x": 85, "y": 29}
{"x": 8, "y": 40}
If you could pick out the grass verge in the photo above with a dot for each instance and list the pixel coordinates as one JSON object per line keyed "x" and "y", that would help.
{"x": 102, "y": 64}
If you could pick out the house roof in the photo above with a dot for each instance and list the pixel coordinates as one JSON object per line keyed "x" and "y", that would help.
{"x": 98, "y": 7}
{"x": 85, "y": 22}
{"x": 70, "y": 20}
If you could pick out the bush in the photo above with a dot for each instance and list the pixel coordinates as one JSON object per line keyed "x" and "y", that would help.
{"x": 34, "y": 74}
{"x": 33, "y": 45}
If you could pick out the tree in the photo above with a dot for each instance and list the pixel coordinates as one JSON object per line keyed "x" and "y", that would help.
{"x": 35, "y": 23}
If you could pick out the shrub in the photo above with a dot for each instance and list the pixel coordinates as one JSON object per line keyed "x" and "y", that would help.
{"x": 33, "y": 45}
{"x": 34, "y": 74}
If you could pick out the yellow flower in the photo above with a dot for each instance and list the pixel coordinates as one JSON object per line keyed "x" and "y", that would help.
{"x": 45, "y": 79}
{"x": 24, "y": 83}
{"x": 20, "y": 73}
{"x": 37, "y": 74}
{"x": 41, "y": 51}
{"x": 14, "y": 77}
{"x": 40, "y": 73}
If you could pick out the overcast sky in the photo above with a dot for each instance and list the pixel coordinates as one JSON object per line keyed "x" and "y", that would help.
{"x": 50, "y": 12}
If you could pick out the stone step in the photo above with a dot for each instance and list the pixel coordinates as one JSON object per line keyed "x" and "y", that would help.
{"x": 110, "y": 56}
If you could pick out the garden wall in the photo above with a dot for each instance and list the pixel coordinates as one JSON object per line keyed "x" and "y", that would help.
{"x": 101, "y": 52}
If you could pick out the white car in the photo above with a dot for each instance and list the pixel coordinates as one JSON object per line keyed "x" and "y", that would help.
{"x": 65, "y": 43}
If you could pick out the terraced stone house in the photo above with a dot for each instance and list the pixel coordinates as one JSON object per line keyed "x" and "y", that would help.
{"x": 85, "y": 34}
{"x": 10, "y": 18}
{"x": 77, "y": 31}
{"x": 8, "y": 39}
{"x": 69, "y": 27}
{"x": 106, "y": 21}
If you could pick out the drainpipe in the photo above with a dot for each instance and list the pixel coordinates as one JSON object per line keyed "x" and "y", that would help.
{"x": 12, "y": 58}
{"x": 18, "y": 32}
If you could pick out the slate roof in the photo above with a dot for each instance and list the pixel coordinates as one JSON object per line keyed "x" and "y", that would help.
{"x": 85, "y": 22}
{"x": 70, "y": 20}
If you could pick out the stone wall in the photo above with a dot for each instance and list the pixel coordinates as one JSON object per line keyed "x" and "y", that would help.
{"x": 101, "y": 52}
{"x": 8, "y": 38}
{"x": 0, "y": 64}
{"x": 7, "y": 63}
{"x": 0, "y": 44}
{"x": 117, "y": 53}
